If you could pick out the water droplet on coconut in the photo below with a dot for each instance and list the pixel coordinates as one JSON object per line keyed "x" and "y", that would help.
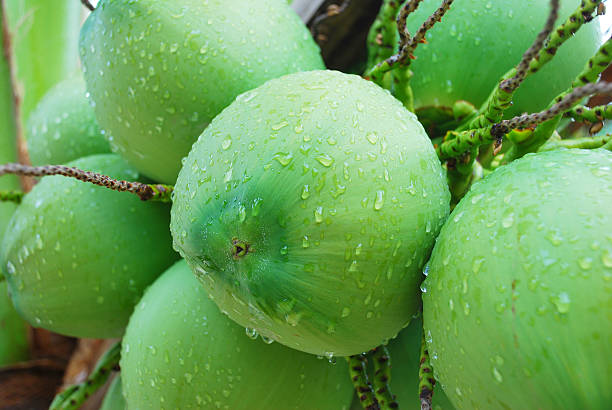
{"x": 251, "y": 333}
{"x": 325, "y": 160}
{"x": 561, "y": 302}
{"x": 380, "y": 200}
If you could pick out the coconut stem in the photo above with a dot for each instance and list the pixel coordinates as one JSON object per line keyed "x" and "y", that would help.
{"x": 381, "y": 37}
{"x": 359, "y": 377}
{"x": 534, "y": 139}
{"x": 583, "y": 143}
{"x": 87, "y": 4}
{"x": 492, "y": 111}
{"x": 595, "y": 66}
{"x": 408, "y": 44}
{"x": 511, "y": 84}
{"x": 426, "y": 379}
{"x": 594, "y": 114}
{"x": 456, "y": 144}
{"x": 11, "y": 196}
{"x": 74, "y": 396}
{"x": 146, "y": 192}
{"x": 382, "y": 378}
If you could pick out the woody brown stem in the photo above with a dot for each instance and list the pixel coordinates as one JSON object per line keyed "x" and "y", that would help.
{"x": 511, "y": 84}
{"x": 407, "y": 43}
{"x": 146, "y": 192}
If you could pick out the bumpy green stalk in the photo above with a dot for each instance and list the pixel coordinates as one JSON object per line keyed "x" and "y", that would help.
{"x": 584, "y": 143}
{"x": 146, "y": 192}
{"x": 381, "y": 38}
{"x": 544, "y": 130}
{"x": 595, "y": 66}
{"x": 401, "y": 87}
{"x": 595, "y": 114}
{"x": 582, "y": 15}
{"x": 456, "y": 144}
{"x": 11, "y": 196}
{"x": 608, "y": 146}
{"x": 73, "y": 397}
{"x": 511, "y": 84}
{"x": 382, "y": 378}
{"x": 426, "y": 379}
{"x": 501, "y": 97}
{"x": 359, "y": 377}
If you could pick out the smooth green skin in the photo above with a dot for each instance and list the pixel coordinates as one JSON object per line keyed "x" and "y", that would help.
{"x": 477, "y": 42}
{"x": 518, "y": 301}
{"x": 63, "y": 126}
{"x": 45, "y": 42}
{"x": 181, "y": 352}
{"x": 78, "y": 257}
{"x": 337, "y": 190}
{"x": 404, "y": 351}
{"x": 160, "y": 71}
{"x": 113, "y": 400}
{"x": 13, "y": 336}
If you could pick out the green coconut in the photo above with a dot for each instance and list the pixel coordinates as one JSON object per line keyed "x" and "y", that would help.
{"x": 181, "y": 352}
{"x": 77, "y": 257}
{"x": 63, "y": 126}
{"x": 518, "y": 301}
{"x": 477, "y": 42}
{"x": 307, "y": 209}
{"x": 160, "y": 71}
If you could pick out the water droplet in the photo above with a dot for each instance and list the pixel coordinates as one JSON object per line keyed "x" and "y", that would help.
{"x": 497, "y": 375}
{"x": 267, "y": 340}
{"x": 606, "y": 259}
{"x": 476, "y": 265}
{"x": 508, "y": 220}
{"x": 280, "y": 125}
{"x": 251, "y": 333}
{"x": 561, "y": 302}
{"x": 283, "y": 158}
{"x": 585, "y": 263}
{"x": 380, "y": 200}
{"x": 226, "y": 143}
{"x": 346, "y": 311}
{"x": 318, "y": 213}
{"x": 305, "y": 192}
{"x": 305, "y": 242}
{"x": 325, "y": 160}
{"x": 372, "y": 138}
{"x": 242, "y": 213}
{"x": 10, "y": 268}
